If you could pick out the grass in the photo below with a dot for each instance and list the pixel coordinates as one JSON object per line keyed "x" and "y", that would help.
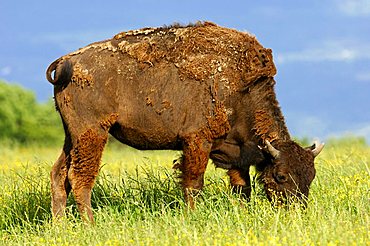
{"x": 137, "y": 201}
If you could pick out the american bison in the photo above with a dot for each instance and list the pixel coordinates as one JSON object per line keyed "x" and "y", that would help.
{"x": 202, "y": 89}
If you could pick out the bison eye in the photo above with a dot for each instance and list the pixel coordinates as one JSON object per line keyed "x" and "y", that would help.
{"x": 280, "y": 177}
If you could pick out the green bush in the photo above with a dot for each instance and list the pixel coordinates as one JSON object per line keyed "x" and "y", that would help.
{"x": 25, "y": 121}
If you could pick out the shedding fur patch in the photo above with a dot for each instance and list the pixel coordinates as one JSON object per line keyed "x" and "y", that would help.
{"x": 263, "y": 123}
{"x": 218, "y": 124}
{"x": 81, "y": 77}
{"x": 85, "y": 159}
{"x": 201, "y": 52}
{"x": 109, "y": 121}
{"x": 165, "y": 105}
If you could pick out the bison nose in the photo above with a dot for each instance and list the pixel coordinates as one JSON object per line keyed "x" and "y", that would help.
{"x": 280, "y": 177}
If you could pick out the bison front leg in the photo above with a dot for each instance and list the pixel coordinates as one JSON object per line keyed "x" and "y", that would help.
{"x": 195, "y": 158}
{"x": 236, "y": 158}
{"x": 86, "y": 155}
{"x": 250, "y": 154}
{"x": 240, "y": 182}
{"x": 60, "y": 186}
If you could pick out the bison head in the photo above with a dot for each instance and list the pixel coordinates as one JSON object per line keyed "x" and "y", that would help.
{"x": 290, "y": 169}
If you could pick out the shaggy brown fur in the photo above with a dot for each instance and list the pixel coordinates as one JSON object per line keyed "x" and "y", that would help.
{"x": 203, "y": 89}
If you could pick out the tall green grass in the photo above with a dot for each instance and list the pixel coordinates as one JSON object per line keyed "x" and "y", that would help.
{"x": 137, "y": 201}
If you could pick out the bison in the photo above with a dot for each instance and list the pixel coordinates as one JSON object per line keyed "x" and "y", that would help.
{"x": 203, "y": 89}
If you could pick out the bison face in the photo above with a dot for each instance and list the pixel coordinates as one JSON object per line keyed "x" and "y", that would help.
{"x": 290, "y": 170}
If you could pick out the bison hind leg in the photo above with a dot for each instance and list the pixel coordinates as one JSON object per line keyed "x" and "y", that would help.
{"x": 85, "y": 159}
{"x": 60, "y": 186}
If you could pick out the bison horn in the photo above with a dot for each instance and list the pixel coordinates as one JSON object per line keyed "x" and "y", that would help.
{"x": 274, "y": 152}
{"x": 317, "y": 147}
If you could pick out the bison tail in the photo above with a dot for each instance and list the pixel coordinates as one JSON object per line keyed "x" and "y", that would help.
{"x": 63, "y": 71}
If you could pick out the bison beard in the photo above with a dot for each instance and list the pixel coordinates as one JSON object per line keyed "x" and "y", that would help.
{"x": 202, "y": 89}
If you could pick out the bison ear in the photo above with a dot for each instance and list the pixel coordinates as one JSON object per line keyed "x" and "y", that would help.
{"x": 316, "y": 148}
{"x": 271, "y": 149}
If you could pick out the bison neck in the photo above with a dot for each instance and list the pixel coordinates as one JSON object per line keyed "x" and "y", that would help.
{"x": 266, "y": 119}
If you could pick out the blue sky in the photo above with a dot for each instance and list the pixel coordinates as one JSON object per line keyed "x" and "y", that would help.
{"x": 321, "y": 48}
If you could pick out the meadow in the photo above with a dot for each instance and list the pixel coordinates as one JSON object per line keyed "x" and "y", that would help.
{"x": 137, "y": 201}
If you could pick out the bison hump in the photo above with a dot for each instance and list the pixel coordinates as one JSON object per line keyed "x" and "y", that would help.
{"x": 203, "y": 51}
